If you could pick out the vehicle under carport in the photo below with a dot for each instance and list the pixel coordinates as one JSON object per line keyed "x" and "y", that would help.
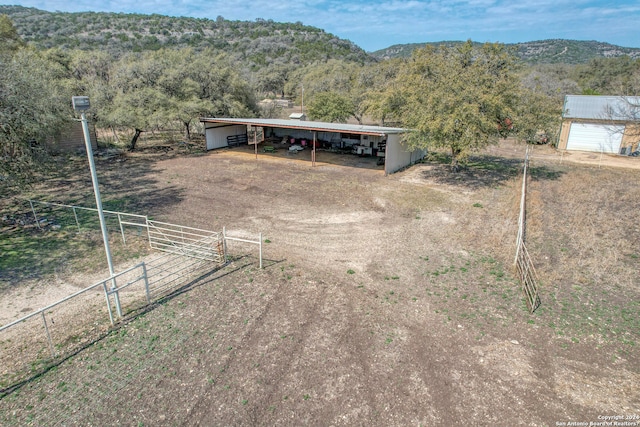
{"x": 385, "y": 143}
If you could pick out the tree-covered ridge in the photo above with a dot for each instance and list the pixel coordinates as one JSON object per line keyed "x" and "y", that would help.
{"x": 555, "y": 51}
{"x": 461, "y": 96}
{"x": 260, "y": 42}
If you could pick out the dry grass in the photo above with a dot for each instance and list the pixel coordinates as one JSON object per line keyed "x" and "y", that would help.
{"x": 385, "y": 301}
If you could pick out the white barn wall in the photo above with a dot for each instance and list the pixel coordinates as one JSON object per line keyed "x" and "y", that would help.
{"x": 216, "y": 136}
{"x": 397, "y": 155}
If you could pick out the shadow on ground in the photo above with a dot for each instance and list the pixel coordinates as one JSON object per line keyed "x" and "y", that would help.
{"x": 205, "y": 277}
{"x": 128, "y": 184}
{"x": 482, "y": 171}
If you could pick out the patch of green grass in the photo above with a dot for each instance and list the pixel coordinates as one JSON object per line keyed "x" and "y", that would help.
{"x": 477, "y": 205}
{"x": 350, "y": 271}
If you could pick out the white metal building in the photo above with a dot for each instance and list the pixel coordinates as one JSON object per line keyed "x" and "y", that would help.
{"x": 604, "y": 124}
{"x": 383, "y": 142}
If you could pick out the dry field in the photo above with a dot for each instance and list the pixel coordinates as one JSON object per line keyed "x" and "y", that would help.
{"x": 384, "y": 301}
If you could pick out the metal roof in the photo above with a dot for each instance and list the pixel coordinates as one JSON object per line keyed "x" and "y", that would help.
{"x": 308, "y": 125}
{"x": 616, "y": 108}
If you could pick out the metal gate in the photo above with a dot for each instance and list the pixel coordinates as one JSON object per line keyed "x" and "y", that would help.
{"x": 186, "y": 241}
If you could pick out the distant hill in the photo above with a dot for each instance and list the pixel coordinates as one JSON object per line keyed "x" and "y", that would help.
{"x": 535, "y": 52}
{"x": 258, "y": 43}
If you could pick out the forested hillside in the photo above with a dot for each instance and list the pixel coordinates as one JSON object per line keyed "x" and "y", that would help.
{"x": 258, "y": 43}
{"x": 555, "y": 51}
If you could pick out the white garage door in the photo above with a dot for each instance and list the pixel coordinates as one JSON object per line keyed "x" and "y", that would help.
{"x": 595, "y": 137}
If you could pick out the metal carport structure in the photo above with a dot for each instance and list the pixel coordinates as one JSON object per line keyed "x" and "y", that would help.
{"x": 218, "y": 131}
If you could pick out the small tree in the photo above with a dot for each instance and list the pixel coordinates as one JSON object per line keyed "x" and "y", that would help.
{"x": 458, "y": 98}
{"x": 10, "y": 40}
{"x": 330, "y": 107}
{"x": 141, "y": 109}
{"x": 626, "y": 109}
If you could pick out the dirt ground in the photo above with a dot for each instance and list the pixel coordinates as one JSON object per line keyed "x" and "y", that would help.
{"x": 385, "y": 300}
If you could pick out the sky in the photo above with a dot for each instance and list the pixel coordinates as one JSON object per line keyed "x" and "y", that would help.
{"x": 377, "y": 24}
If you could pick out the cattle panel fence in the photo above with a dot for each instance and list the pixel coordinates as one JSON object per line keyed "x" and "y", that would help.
{"x": 181, "y": 255}
{"x": 523, "y": 264}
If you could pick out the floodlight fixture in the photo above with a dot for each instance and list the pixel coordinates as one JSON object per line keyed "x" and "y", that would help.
{"x": 80, "y": 103}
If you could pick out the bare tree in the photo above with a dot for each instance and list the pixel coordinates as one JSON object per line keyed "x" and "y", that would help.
{"x": 626, "y": 109}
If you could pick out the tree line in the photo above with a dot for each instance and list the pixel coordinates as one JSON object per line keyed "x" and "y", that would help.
{"x": 459, "y": 97}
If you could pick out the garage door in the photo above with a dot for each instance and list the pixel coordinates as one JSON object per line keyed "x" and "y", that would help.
{"x": 595, "y": 137}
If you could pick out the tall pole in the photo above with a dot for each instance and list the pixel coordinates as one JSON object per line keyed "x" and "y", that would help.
{"x": 96, "y": 191}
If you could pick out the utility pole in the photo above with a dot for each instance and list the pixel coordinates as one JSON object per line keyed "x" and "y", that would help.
{"x": 81, "y": 104}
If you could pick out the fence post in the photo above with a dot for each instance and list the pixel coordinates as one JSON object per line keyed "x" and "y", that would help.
{"x": 521, "y": 217}
{"x": 75, "y": 215}
{"x": 148, "y": 230}
{"x": 121, "y": 229}
{"x": 261, "y": 249}
{"x": 116, "y": 292}
{"x": 146, "y": 282}
{"x": 106, "y": 295}
{"x": 46, "y": 329}
{"x": 224, "y": 243}
{"x": 34, "y": 214}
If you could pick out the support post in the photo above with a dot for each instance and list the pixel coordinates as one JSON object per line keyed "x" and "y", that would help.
{"x": 313, "y": 153}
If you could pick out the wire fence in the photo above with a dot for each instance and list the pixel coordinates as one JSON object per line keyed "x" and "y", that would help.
{"x": 523, "y": 264}
{"x": 35, "y": 341}
{"x": 43, "y": 338}
{"x": 57, "y": 216}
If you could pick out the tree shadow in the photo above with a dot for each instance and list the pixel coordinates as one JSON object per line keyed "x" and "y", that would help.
{"x": 205, "y": 277}
{"x": 35, "y": 246}
{"x": 481, "y": 171}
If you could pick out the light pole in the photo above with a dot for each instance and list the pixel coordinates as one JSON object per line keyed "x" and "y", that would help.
{"x": 80, "y": 105}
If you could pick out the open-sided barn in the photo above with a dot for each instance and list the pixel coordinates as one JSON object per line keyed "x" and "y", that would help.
{"x": 382, "y": 142}
{"x": 607, "y": 124}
